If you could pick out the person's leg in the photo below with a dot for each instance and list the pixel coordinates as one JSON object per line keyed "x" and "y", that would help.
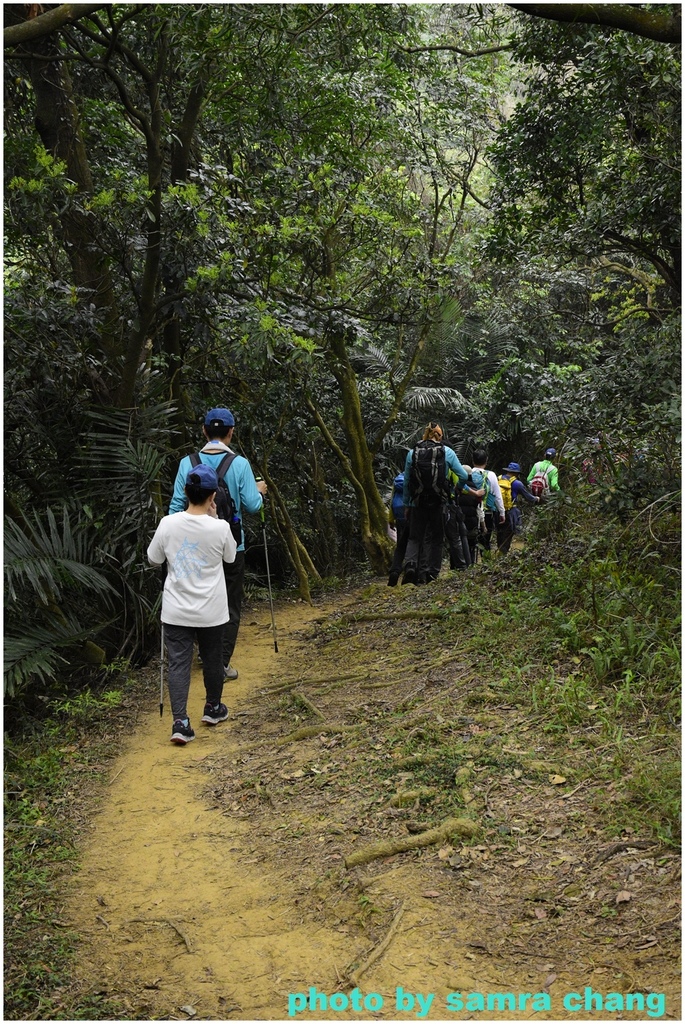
{"x": 457, "y": 560}
{"x": 398, "y": 557}
{"x": 234, "y": 574}
{"x": 505, "y": 533}
{"x": 489, "y": 527}
{"x": 179, "y": 641}
{"x": 435, "y": 543}
{"x": 417, "y": 527}
{"x": 210, "y": 642}
{"x": 463, "y": 533}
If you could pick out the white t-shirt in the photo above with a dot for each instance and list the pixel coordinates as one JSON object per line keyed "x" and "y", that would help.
{"x": 194, "y": 548}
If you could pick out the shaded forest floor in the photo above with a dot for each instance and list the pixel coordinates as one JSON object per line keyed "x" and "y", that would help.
{"x": 225, "y": 879}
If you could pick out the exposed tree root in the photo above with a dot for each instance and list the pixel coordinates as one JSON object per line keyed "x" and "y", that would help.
{"x": 307, "y": 731}
{"x": 389, "y": 847}
{"x": 165, "y": 920}
{"x": 396, "y": 616}
{"x": 407, "y": 797}
{"x": 306, "y": 703}
{"x": 416, "y": 760}
{"x": 379, "y": 950}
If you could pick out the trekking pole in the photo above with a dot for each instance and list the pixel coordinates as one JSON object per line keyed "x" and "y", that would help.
{"x": 268, "y": 574}
{"x": 161, "y": 675}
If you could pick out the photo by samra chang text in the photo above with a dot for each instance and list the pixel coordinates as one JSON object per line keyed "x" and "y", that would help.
{"x": 420, "y": 1004}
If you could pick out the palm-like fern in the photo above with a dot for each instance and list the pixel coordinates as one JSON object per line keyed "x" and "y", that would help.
{"x": 49, "y": 583}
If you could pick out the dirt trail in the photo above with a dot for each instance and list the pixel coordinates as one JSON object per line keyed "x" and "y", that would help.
{"x": 188, "y": 908}
{"x": 177, "y": 911}
{"x": 173, "y": 912}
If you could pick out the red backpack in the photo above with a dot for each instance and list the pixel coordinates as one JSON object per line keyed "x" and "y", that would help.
{"x": 539, "y": 485}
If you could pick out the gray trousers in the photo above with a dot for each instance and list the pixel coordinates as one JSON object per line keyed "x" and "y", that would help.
{"x": 179, "y": 641}
{"x": 234, "y": 574}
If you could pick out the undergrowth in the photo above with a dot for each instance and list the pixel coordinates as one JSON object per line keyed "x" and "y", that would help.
{"x": 579, "y": 634}
{"x": 53, "y": 765}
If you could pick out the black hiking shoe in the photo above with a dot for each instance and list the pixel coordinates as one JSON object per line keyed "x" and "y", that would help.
{"x": 181, "y": 733}
{"x": 409, "y": 574}
{"x": 215, "y": 713}
{"x": 393, "y": 578}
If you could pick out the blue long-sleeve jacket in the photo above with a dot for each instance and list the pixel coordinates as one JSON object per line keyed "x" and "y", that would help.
{"x": 519, "y": 490}
{"x": 239, "y": 480}
{"x": 451, "y": 462}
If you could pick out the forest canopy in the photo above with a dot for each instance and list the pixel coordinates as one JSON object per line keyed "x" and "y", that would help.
{"x": 338, "y": 221}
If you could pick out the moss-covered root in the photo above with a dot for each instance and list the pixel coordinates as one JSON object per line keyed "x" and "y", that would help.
{"x": 387, "y": 848}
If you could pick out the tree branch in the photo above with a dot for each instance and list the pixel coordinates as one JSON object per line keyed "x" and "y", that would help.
{"x": 46, "y": 23}
{"x": 457, "y": 49}
{"x": 658, "y": 25}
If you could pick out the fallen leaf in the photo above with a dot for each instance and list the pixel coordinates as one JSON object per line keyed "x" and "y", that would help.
{"x": 445, "y": 852}
{"x": 624, "y": 896}
{"x": 557, "y": 780}
{"x": 519, "y": 863}
{"x": 540, "y": 913}
{"x": 190, "y": 1010}
{"x": 549, "y": 980}
{"x": 431, "y": 894}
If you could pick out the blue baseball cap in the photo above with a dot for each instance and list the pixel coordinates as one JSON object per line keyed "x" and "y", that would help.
{"x": 551, "y": 452}
{"x": 513, "y": 467}
{"x": 219, "y": 418}
{"x": 203, "y": 476}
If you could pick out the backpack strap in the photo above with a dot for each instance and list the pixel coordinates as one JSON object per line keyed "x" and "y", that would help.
{"x": 222, "y": 468}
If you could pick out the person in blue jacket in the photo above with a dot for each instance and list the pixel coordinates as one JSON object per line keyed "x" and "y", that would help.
{"x": 248, "y": 496}
{"x": 426, "y": 523}
{"x": 400, "y": 520}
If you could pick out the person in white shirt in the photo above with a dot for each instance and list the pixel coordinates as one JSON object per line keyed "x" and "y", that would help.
{"x": 493, "y": 505}
{"x": 194, "y": 544}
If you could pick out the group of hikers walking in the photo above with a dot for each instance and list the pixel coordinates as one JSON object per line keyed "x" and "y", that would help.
{"x": 201, "y": 543}
{"x": 436, "y": 497}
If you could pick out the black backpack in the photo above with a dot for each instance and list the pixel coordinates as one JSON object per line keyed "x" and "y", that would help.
{"x": 428, "y": 480}
{"x": 225, "y": 505}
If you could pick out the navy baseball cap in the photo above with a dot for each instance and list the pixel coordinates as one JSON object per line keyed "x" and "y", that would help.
{"x": 203, "y": 476}
{"x": 219, "y": 418}
{"x": 551, "y": 452}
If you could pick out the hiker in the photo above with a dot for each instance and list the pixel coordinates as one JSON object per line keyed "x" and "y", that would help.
{"x": 456, "y": 531}
{"x": 544, "y": 476}
{"x": 247, "y": 494}
{"x": 194, "y": 544}
{"x": 399, "y": 517}
{"x": 469, "y": 505}
{"x": 512, "y": 490}
{"x": 492, "y": 508}
{"x": 425, "y": 492}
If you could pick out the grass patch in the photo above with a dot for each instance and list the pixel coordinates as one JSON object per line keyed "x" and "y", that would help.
{"x": 52, "y": 767}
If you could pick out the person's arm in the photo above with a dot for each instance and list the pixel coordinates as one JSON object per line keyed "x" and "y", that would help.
{"x": 455, "y": 465}
{"x": 519, "y": 490}
{"x": 497, "y": 493}
{"x": 406, "y": 493}
{"x": 249, "y": 495}
{"x": 178, "y": 498}
{"x": 155, "y": 551}
{"x": 553, "y": 478}
{"x": 230, "y": 546}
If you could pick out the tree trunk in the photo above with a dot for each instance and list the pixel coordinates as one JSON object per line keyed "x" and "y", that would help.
{"x": 373, "y": 515}
{"x": 57, "y": 123}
